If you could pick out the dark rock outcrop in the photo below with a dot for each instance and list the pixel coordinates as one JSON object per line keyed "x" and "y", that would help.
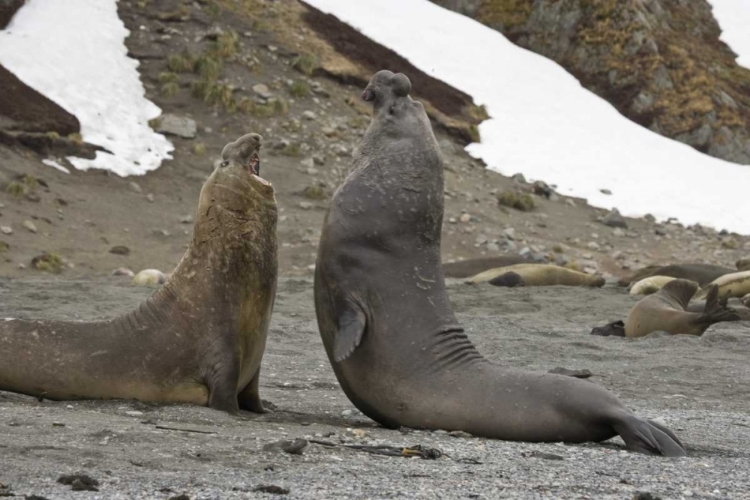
{"x": 8, "y": 8}
{"x": 659, "y": 62}
{"x": 23, "y": 109}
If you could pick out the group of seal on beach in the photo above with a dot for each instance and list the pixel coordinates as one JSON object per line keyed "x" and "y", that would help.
{"x": 383, "y": 313}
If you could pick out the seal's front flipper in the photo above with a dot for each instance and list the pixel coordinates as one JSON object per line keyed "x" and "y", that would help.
{"x": 222, "y": 379}
{"x": 351, "y": 324}
{"x": 223, "y": 399}
{"x": 249, "y": 398}
{"x": 649, "y": 438}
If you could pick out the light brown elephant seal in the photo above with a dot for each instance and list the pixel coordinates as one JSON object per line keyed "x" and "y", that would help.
{"x": 650, "y": 285}
{"x": 470, "y": 267}
{"x": 199, "y": 339}
{"x": 703, "y": 274}
{"x": 538, "y": 275}
{"x": 387, "y": 323}
{"x": 666, "y": 310}
{"x": 730, "y": 285}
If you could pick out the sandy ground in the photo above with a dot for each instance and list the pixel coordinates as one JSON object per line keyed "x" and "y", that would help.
{"x": 699, "y": 386}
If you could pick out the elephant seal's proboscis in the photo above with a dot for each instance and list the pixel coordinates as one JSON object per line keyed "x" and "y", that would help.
{"x": 199, "y": 339}
{"x": 387, "y": 324}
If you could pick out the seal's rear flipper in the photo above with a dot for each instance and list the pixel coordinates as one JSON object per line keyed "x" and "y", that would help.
{"x": 667, "y": 432}
{"x": 716, "y": 311}
{"x": 649, "y": 437}
{"x": 351, "y": 328}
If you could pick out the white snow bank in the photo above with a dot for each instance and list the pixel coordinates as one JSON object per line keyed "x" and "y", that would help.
{"x": 734, "y": 19}
{"x": 546, "y": 126}
{"x": 73, "y": 52}
{"x": 55, "y": 165}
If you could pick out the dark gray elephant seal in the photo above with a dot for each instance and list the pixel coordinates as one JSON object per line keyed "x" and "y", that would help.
{"x": 703, "y": 274}
{"x": 470, "y": 267}
{"x": 386, "y": 321}
{"x": 667, "y": 310}
{"x": 199, "y": 339}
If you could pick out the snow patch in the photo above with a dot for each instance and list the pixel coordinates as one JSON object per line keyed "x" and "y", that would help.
{"x": 73, "y": 52}
{"x": 734, "y": 19}
{"x": 546, "y": 126}
{"x": 54, "y": 164}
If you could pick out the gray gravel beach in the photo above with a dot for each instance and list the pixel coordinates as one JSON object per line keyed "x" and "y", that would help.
{"x": 700, "y": 387}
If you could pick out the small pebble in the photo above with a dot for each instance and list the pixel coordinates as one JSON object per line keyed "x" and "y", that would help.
{"x": 29, "y": 225}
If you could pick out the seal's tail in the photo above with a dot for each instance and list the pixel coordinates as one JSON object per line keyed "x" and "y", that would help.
{"x": 649, "y": 437}
{"x": 716, "y": 310}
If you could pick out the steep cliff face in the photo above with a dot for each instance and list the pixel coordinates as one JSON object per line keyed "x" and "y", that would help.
{"x": 659, "y": 62}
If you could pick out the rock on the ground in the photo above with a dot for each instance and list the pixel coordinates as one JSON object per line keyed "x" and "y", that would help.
{"x": 181, "y": 126}
{"x": 29, "y": 226}
{"x": 149, "y": 277}
{"x": 123, "y": 271}
{"x": 120, "y": 250}
{"x": 614, "y": 219}
{"x": 262, "y": 90}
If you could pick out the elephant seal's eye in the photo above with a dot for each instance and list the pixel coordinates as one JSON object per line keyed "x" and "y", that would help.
{"x": 223, "y": 164}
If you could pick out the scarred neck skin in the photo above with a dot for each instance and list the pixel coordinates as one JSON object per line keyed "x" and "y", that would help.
{"x": 230, "y": 238}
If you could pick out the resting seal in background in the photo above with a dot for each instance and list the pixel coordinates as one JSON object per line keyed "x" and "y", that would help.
{"x": 470, "y": 267}
{"x": 537, "y": 275}
{"x": 199, "y": 339}
{"x": 388, "y": 326}
{"x": 650, "y": 285}
{"x": 666, "y": 310}
{"x": 702, "y": 274}
{"x": 730, "y": 285}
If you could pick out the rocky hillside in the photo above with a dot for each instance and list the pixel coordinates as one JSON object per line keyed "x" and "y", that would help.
{"x": 659, "y": 62}
{"x": 219, "y": 69}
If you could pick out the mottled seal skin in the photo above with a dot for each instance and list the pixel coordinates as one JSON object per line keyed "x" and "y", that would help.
{"x": 387, "y": 324}
{"x": 667, "y": 310}
{"x": 470, "y": 267}
{"x": 730, "y": 285}
{"x": 199, "y": 339}
{"x": 650, "y": 285}
{"x": 703, "y": 274}
{"x": 540, "y": 275}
